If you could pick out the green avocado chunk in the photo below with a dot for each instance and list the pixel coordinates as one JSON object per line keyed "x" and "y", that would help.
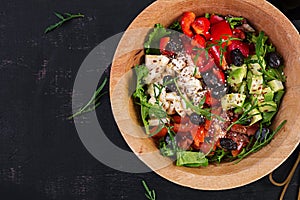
{"x": 236, "y": 75}
{"x": 232, "y": 100}
{"x": 267, "y": 106}
{"x": 276, "y": 85}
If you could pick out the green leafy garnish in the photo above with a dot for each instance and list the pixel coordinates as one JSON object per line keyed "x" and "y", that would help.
{"x": 219, "y": 154}
{"x": 150, "y": 194}
{"x": 141, "y": 72}
{"x": 93, "y": 102}
{"x": 152, "y": 44}
{"x": 176, "y": 26}
{"x": 63, "y": 18}
{"x": 234, "y": 21}
{"x": 260, "y": 143}
{"x": 191, "y": 159}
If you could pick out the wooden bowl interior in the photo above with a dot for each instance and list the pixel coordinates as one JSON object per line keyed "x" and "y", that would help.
{"x": 263, "y": 16}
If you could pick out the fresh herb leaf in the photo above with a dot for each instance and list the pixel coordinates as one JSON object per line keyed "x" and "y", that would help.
{"x": 93, "y": 102}
{"x": 63, "y": 18}
{"x": 219, "y": 154}
{"x": 207, "y": 15}
{"x": 150, "y": 194}
{"x": 152, "y": 44}
{"x": 142, "y": 72}
{"x": 234, "y": 21}
{"x": 176, "y": 26}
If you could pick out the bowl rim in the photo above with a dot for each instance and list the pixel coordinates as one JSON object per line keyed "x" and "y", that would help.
{"x": 164, "y": 172}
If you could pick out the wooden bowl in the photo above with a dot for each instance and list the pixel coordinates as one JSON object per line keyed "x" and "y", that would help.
{"x": 263, "y": 16}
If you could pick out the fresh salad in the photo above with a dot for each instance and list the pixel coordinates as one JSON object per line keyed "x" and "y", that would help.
{"x": 209, "y": 89}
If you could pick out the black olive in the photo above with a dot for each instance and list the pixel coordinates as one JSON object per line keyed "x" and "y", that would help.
{"x": 228, "y": 144}
{"x": 274, "y": 60}
{"x": 167, "y": 78}
{"x": 171, "y": 88}
{"x": 197, "y": 119}
{"x": 219, "y": 91}
{"x": 263, "y": 134}
{"x": 237, "y": 58}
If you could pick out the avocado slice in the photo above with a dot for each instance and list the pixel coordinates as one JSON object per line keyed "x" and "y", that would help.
{"x": 255, "y": 68}
{"x": 256, "y": 116}
{"x": 267, "y": 106}
{"x": 232, "y": 100}
{"x": 256, "y": 84}
{"x": 268, "y": 94}
{"x": 243, "y": 88}
{"x": 236, "y": 75}
{"x": 276, "y": 85}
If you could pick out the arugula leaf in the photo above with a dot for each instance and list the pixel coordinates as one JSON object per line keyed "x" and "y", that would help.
{"x": 141, "y": 72}
{"x": 152, "y": 44}
{"x": 234, "y": 21}
{"x": 191, "y": 159}
{"x": 219, "y": 154}
{"x": 176, "y": 26}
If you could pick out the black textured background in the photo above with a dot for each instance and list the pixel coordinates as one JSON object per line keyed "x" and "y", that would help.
{"x": 41, "y": 156}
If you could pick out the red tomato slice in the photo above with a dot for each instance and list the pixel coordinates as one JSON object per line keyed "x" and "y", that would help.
{"x": 201, "y": 25}
{"x": 160, "y": 134}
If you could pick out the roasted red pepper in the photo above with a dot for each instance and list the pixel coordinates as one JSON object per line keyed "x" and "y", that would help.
{"x": 198, "y": 41}
{"x": 220, "y": 30}
{"x": 186, "y": 20}
{"x": 206, "y": 65}
{"x": 198, "y": 133}
{"x": 201, "y": 25}
{"x": 215, "y": 53}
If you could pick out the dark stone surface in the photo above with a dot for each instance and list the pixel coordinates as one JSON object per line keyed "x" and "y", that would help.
{"x": 41, "y": 156}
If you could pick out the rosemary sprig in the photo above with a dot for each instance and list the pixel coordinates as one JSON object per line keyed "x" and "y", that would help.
{"x": 149, "y": 194}
{"x": 63, "y": 18}
{"x": 93, "y": 102}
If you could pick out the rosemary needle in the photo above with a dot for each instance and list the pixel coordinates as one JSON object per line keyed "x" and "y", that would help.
{"x": 93, "y": 102}
{"x": 63, "y": 18}
{"x": 149, "y": 194}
